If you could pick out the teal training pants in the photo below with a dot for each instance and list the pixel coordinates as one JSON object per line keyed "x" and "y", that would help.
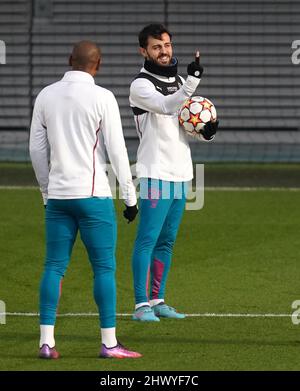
{"x": 161, "y": 207}
{"x": 95, "y": 219}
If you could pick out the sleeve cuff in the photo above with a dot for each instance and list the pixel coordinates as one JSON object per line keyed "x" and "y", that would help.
{"x": 207, "y": 141}
{"x": 45, "y": 198}
{"x": 130, "y": 202}
{"x": 191, "y": 84}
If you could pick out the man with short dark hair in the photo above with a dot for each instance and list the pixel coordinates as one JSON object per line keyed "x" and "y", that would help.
{"x": 164, "y": 166}
{"x": 77, "y": 120}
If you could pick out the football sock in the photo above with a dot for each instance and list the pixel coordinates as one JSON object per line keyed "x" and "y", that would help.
{"x": 139, "y": 305}
{"x": 47, "y": 335}
{"x": 156, "y": 301}
{"x": 108, "y": 337}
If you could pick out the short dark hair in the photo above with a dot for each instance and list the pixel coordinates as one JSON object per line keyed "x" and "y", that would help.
{"x": 154, "y": 30}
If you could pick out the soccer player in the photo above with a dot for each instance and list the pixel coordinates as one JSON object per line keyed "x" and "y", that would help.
{"x": 164, "y": 166}
{"x": 75, "y": 120}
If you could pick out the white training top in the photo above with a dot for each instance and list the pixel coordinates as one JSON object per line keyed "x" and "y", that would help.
{"x": 75, "y": 120}
{"x": 164, "y": 152}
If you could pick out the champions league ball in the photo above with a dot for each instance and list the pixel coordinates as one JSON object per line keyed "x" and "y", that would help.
{"x": 195, "y": 113}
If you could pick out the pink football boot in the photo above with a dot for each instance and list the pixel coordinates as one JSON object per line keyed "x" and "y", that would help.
{"x": 118, "y": 351}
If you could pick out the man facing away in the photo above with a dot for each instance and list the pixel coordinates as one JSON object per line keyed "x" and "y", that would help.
{"x": 164, "y": 166}
{"x": 75, "y": 120}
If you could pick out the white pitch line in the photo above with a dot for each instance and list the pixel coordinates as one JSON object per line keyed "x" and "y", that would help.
{"x": 213, "y": 315}
{"x": 19, "y": 188}
{"x": 208, "y": 188}
{"x": 262, "y": 188}
{"x": 204, "y": 315}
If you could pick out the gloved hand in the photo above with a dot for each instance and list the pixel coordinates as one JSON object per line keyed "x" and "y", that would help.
{"x": 209, "y": 130}
{"x": 130, "y": 213}
{"x": 194, "y": 68}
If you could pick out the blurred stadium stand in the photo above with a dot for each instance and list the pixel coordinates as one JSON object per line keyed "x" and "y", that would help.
{"x": 245, "y": 48}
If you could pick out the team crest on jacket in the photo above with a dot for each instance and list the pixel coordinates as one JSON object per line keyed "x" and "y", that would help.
{"x": 172, "y": 89}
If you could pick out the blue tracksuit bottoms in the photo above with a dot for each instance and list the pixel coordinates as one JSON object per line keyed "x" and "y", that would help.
{"x": 95, "y": 219}
{"x": 161, "y": 207}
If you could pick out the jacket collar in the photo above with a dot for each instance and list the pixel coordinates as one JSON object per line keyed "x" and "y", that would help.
{"x": 78, "y": 76}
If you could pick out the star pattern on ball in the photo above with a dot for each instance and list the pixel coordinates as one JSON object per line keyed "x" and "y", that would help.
{"x": 187, "y": 104}
{"x": 206, "y": 104}
{"x": 194, "y": 114}
{"x": 195, "y": 119}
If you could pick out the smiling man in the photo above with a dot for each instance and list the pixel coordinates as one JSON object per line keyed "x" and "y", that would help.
{"x": 164, "y": 166}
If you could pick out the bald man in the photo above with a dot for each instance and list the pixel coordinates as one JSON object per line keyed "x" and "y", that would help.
{"x": 85, "y": 57}
{"x": 73, "y": 122}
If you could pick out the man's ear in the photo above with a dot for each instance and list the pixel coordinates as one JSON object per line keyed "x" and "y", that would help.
{"x": 98, "y": 64}
{"x": 70, "y": 60}
{"x": 143, "y": 52}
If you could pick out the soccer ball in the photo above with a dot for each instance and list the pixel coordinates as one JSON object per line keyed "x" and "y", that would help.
{"x": 195, "y": 113}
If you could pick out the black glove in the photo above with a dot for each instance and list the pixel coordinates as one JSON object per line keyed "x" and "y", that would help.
{"x": 209, "y": 130}
{"x": 194, "y": 68}
{"x": 130, "y": 213}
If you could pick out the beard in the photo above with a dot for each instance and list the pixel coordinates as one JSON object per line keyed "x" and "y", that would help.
{"x": 163, "y": 59}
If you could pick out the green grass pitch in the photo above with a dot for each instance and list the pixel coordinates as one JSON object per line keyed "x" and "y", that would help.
{"x": 239, "y": 254}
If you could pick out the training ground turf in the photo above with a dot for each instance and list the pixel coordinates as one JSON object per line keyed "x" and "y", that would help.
{"x": 238, "y": 255}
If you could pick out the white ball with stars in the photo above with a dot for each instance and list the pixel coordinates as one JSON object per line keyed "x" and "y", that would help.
{"x": 195, "y": 113}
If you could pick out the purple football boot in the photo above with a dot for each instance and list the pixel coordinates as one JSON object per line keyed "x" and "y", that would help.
{"x": 47, "y": 352}
{"x": 118, "y": 351}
